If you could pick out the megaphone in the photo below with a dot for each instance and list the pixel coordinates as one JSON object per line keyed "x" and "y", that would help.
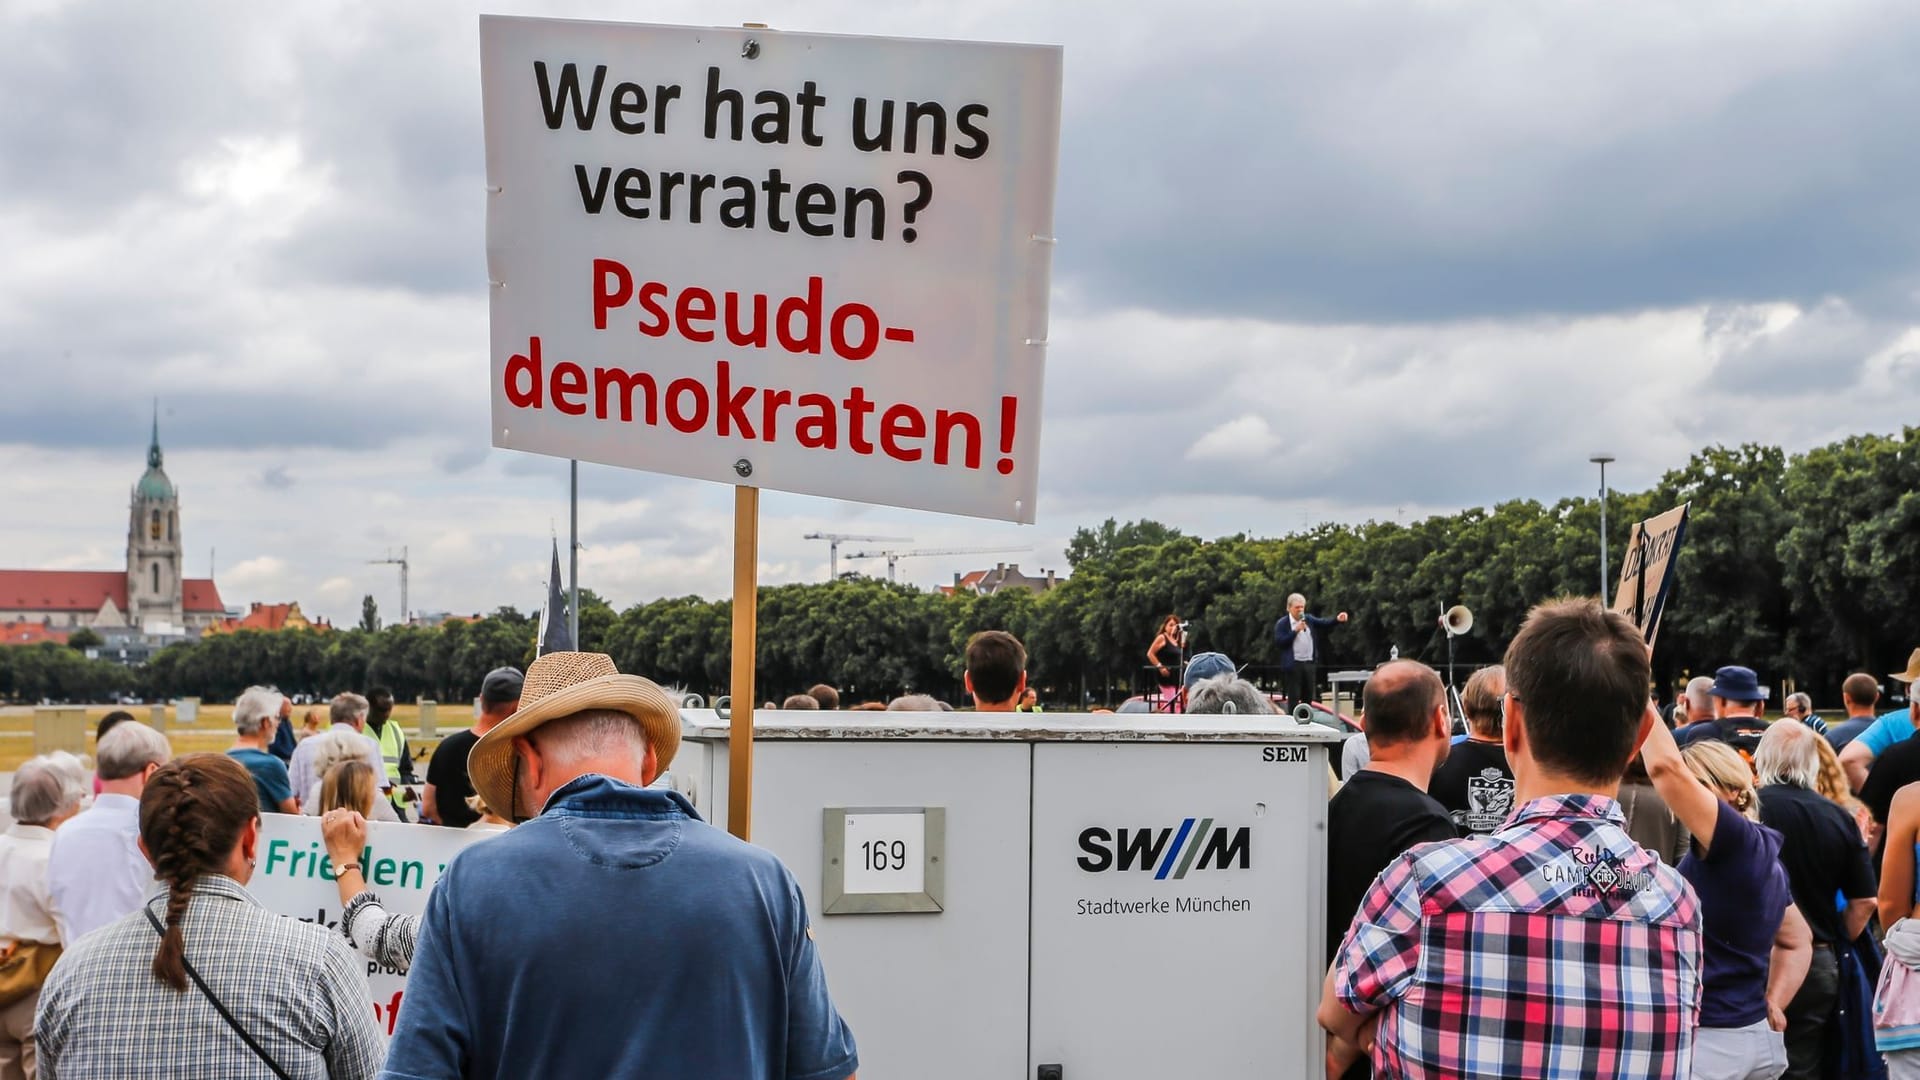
{"x": 1457, "y": 620}
{"x": 1303, "y": 713}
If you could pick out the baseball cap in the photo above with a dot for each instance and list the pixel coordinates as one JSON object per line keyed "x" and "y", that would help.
{"x": 501, "y": 686}
{"x": 1207, "y": 665}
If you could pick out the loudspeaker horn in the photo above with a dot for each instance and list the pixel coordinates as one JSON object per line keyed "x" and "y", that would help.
{"x": 1458, "y": 620}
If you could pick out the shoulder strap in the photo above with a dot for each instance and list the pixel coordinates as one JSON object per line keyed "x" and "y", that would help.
{"x": 217, "y": 1005}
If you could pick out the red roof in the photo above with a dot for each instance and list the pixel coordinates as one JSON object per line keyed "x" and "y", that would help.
{"x": 202, "y": 595}
{"x": 62, "y": 590}
{"x": 30, "y": 633}
{"x": 86, "y": 590}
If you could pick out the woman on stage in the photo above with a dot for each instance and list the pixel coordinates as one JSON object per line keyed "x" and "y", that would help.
{"x": 1165, "y": 653}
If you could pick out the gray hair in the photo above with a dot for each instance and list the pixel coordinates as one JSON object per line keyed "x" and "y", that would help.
{"x": 591, "y": 733}
{"x": 913, "y": 703}
{"x": 48, "y": 786}
{"x": 254, "y": 707}
{"x": 331, "y": 748}
{"x": 1787, "y": 756}
{"x": 1228, "y": 694}
{"x": 1295, "y": 598}
{"x": 1801, "y": 700}
{"x": 348, "y": 707}
{"x": 1700, "y": 694}
{"x": 129, "y": 748}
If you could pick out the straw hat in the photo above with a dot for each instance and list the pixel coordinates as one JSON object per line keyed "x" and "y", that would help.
{"x": 561, "y": 684}
{"x": 1912, "y": 673}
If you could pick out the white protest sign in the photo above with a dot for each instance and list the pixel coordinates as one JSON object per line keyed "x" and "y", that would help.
{"x": 293, "y": 876}
{"x": 1646, "y": 573}
{"x": 804, "y": 262}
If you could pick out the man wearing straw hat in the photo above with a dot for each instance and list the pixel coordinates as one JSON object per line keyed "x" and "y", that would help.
{"x": 614, "y": 933}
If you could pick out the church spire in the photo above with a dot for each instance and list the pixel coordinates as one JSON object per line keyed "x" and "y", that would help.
{"x": 153, "y": 448}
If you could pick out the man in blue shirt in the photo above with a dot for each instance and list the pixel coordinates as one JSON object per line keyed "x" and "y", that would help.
{"x": 1857, "y": 759}
{"x": 615, "y": 933}
{"x": 256, "y": 720}
{"x": 1859, "y": 693}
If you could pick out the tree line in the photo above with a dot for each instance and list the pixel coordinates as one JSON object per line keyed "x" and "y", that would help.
{"x": 1804, "y": 567}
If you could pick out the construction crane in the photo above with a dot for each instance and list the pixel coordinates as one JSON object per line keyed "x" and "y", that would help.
{"x": 893, "y": 557}
{"x": 402, "y": 563}
{"x": 833, "y": 547}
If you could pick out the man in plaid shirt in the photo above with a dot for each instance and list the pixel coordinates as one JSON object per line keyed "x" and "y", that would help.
{"x": 1556, "y": 946}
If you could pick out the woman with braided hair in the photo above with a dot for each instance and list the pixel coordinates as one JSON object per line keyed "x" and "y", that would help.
{"x": 202, "y": 980}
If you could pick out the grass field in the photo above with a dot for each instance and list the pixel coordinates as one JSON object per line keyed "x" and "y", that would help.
{"x": 212, "y": 730}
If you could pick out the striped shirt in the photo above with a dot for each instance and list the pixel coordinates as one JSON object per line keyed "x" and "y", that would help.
{"x": 1554, "y": 947}
{"x": 296, "y": 988}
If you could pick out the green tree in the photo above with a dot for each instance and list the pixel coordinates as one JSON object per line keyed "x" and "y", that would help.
{"x": 1110, "y": 538}
{"x": 83, "y": 639}
{"x": 369, "y": 614}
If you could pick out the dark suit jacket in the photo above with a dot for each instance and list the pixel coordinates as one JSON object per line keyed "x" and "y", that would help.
{"x": 1283, "y": 635}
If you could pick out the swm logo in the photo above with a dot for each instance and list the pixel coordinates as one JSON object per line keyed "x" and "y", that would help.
{"x": 1165, "y": 851}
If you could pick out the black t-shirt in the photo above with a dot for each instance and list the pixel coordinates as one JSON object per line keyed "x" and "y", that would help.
{"x": 1891, "y": 771}
{"x": 447, "y": 772}
{"x": 1372, "y": 819}
{"x": 1476, "y": 787}
{"x": 1822, "y": 852}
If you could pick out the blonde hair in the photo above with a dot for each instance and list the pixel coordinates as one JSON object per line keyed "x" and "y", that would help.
{"x": 1833, "y": 780}
{"x": 1719, "y": 767}
{"x": 348, "y": 785}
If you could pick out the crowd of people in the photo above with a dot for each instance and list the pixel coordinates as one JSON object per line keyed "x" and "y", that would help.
{"x": 1575, "y": 884}
{"x": 135, "y": 950}
{"x": 1581, "y": 884}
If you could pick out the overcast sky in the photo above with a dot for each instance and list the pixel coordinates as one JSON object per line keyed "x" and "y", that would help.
{"x": 1317, "y": 261}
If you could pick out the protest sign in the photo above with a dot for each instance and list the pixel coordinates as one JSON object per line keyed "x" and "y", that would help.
{"x": 1646, "y": 575}
{"x": 293, "y": 876}
{"x": 803, "y": 262}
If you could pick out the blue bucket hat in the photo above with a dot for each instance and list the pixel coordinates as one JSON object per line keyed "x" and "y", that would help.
{"x": 1207, "y": 665}
{"x": 1737, "y": 683}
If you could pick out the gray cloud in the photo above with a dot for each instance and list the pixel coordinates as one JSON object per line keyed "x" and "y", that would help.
{"x": 1381, "y": 163}
{"x": 1324, "y": 263}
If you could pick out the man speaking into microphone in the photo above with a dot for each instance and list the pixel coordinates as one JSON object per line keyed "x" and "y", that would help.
{"x": 1298, "y": 635}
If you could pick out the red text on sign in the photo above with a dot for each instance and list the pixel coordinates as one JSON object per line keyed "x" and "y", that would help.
{"x": 800, "y": 323}
{"x": 904, "y": 431}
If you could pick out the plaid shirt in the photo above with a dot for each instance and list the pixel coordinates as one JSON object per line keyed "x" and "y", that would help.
{"x": 297, "y": 988}
{"x": 1554, "y": 947}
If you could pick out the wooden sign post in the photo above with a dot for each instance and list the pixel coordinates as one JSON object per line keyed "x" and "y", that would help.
{"x": 746, "y": 605}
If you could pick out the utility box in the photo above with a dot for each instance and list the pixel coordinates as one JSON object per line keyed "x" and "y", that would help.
{"x": 60, "y": 727}
{"x": 1002, "y": 895}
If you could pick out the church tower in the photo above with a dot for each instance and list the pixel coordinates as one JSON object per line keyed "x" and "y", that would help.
{"x": 154, "y": 564}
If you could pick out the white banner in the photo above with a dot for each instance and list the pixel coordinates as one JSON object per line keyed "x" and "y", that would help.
{"x": 805, "y": 262}
{"x": 293, "y": 876}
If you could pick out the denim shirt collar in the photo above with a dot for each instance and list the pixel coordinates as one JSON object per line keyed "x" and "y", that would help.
{"x": 596, "y": 795}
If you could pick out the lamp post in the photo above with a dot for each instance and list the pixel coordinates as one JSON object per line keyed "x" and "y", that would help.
{"x": 1601, "y": 460}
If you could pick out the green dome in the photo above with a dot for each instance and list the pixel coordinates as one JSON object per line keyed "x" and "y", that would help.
{"x": 155, "y": 485}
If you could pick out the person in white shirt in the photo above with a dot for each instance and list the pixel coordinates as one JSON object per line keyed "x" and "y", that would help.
{"x": 95, "y": 872}
{"x": 47, "y": 791}
{"x": 349, "y": 714}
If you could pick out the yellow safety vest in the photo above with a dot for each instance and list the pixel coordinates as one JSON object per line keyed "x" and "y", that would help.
{"x": 393, "y": 747}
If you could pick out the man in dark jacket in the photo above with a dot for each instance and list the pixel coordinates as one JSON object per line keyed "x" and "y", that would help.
{"x": 1299, "y": 636}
